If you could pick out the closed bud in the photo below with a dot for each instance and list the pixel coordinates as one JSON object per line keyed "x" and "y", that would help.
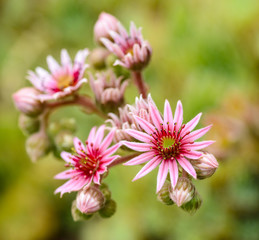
{"x": 26, "y": 100}
{"x": 98, "y": 58}
{"x": 105, "y": 23}
{"x": 183, "y": 191}
{"x": 193, "y": 205}
{"x": 28, "y": 125}
{"x": 205, "y": 166}
{"x": 109, "y": 209}
{"x": 64, "y": 141}
{"x": 37, "y": 146}
{"x": 163, "y": 195}
{"x": 90, "y": 200}
{"x": 77, "y": 215}
{"x": 105, "y": 191}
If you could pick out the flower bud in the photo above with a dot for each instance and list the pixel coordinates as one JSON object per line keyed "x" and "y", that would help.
{"x": 37, "y": 146}
{"x": 64, "y": 141}
{"x": 105, "y": 23}
{"x": 193, "y": 205}
{"x": 26, "y": 100}
{"x": 205, "y": 166}
{"x": 98, "y": 58}
{"x": 163, "y": 195}
{"x": 105, "y": 191}
{"x": 89, "y": 200}
{"x": 28, "y": 125}
{"x": 183, "y": 191}
{"x": 77, "y": 215}
{"x": 109, "y": 209}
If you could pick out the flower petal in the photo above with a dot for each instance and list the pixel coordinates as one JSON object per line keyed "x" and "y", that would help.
{"x": 168, "y": 115}
{"x": 140, "y": 159}
{"x": 107, "y": 140}
{"x": 178, "y": 116}
{"x": 191, "y": 124}
{"x": 173, "y": 170}
{"x": 143, "y": 137}
{"x": 162, "y": 174}
{"x": 140, "y": 147}
{"x": 148, "y": 127}
{"x": 196, "y": 134}
{"x": 198, "y": 145}
{"x": 187, "y": 166}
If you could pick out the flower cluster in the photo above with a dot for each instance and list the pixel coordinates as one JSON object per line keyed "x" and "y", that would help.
{"x": 143, "y": 134}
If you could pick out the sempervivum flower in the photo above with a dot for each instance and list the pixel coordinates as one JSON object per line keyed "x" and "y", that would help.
{"x": 132, "y": 50}
{"x": 88, "y": 162}
{"x": 108, "y": 88}
{"x": 125, "y": 120}
{"x": 167, "y": 142}
{"x": 63, "y": 79}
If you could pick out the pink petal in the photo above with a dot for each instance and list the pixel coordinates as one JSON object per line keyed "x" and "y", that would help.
{"x": 140, "y": 147}
{"x": 68, "y": 157}
{"x": 162, "y": 174}
{"x": 173, "y": 170}
{"x": 155, "y": 116}
{"x": 191, "y": 124}
{"x": 52, "y": 64}
{"x": 149, "y": 128}
{"x": 96, "y": 178}
{"x": 107, "y": 141}
{"x": 65, "y": 58}
{"x": 108, "y": 160}
{"x": 198, "y": 145}
{"x": 143, "y": 137}
{"x": 66, "y": 174}
{"x": 196, "y": 134}
{"x": 99, "y": 136}
{"x": 187, "y": 166}
{"x": 79, "y": 146}
{"x": 191, "y": 154}
{"x": 168, "y": 116}
{"x": 91, "y": 135}
{"x": 178, "y": 116}
{"x": 151, "y": 165}
{"x": 140, "y": 159}
{"x": 111, "y": 150}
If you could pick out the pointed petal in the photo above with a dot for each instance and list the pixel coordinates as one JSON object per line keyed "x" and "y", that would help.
{"x": 191, "y": 154}
{"x": 66, "y": 174}
{"x": 99, "y": 136}
{"x": 111, "y": 150}
{"x": 168, "y": 115}
{"x": 65, "y": 58}
{"x": 79, "y": 147}
{"x": 196, "y": 134}
{"x": 140, "y": 147}
{"x": 52, "y": 64}
{"x": 143, "y": 137}
{"x": 162, "y": 174}
{"x": 173, "y": 170}
{"x": 178, "y": 116}
{"x": 191, "y": 124}
{"x": 187, "y": 166}
{"x": 140, "y": 159}
{"x": 148, "y": 127}
{"x": 155, "y": 116}
{"x": 151, "y": 165}
{"x": 198, "y": 145}
{"x": 68, "y": 157}
{"x": 91, "y": 135}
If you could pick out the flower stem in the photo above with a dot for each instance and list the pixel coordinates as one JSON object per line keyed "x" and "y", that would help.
{"x": 123, "y": 159}
{"x": 140, "y": 83}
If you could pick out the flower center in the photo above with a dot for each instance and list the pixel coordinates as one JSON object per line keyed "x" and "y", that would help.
{"x": 88, "y": 165}
{"x": 64, "y": 81}
{"x": 167, "y": 142}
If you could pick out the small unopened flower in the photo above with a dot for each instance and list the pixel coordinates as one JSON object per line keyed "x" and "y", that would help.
{"x": 166, "y": 142}
{"x": 109, "y": 209}
{"x": 183, "y": 192}
{"x": 28, "y": 125}
{"x": 132, "y": 50}
{"x": 105, "y": 23}
{"x": 26, "y": 100}
{"x": 88, "y": 162}
{"x": 108, "y": 89}
{"x": 90, "y": 200}
{"x": 125, "y": 120}
{"x": 63, "y": 79}
{"x": 205, "y": 166}
{"x": 38, "y": 145}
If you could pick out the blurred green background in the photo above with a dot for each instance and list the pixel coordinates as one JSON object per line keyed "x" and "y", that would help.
{"x": 205, "y": 53}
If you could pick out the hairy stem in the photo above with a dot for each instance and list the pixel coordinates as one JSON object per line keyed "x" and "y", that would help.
{"x": 123, "y": 159}
{"x": 140, "y": 83}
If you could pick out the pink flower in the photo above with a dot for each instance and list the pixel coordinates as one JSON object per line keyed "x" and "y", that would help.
{"x": 105, "y": 23}
{"x": 89, "y": 162}
{"x": 133, "y": 52}
{"x": 63, "y": 79}
{"x": 167, "y": 142}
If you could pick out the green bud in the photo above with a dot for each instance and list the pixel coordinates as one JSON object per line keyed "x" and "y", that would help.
{"x": 28, "y": 125}
{"x": 77, "y": 215}
{"x": 64, "y": 141}
{"x": 109, "y": 209}
{"x": 105, "y": 191}
{"x": 163, "y": 195}
{"x": 98, "y": 56}
{"x": 68, "y": 124}
{"x": 193, "y": 205}
{"x": 37, "y": 146}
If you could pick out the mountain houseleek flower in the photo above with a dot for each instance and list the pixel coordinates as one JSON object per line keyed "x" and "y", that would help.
{"x": 88, "y": 162}
{"x": 63, "y": 79}
{"x": 166, "y": 142}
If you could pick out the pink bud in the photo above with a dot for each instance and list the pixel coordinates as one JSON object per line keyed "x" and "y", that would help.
{"x": 205, "y": 166}
{"x": 89, "y": 200}
{"x": 26, "y": 100}
{"x": 105, "y": 23}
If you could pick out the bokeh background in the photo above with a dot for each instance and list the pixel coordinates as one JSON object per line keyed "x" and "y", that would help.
{"x": 205, "y": 53}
